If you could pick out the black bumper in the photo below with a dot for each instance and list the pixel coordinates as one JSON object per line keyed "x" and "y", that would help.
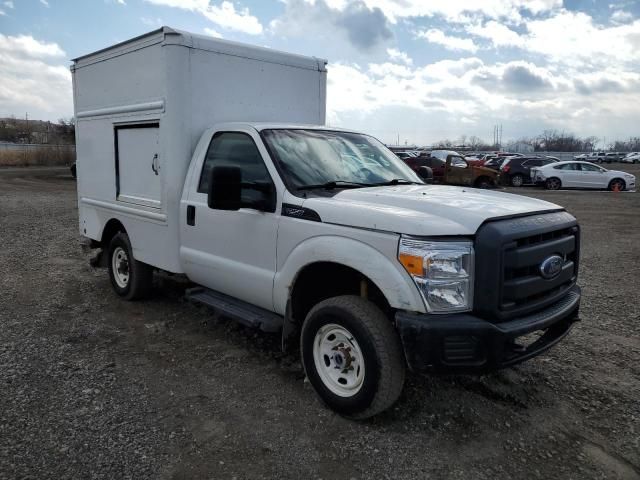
{"x": 463, "y": 343}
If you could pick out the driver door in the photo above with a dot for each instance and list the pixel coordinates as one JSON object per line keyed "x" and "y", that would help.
{"x": 458, "y": 171}
{"x": 231, "y": 251}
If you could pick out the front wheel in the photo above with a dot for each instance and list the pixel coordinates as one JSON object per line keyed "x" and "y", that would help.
{"x": 130, "y": 278}
{"x": 553, "y": 184}
{"x": 517, "y": 180}
{"x": 352, "y": 356}
{"x": 617, "y": 185}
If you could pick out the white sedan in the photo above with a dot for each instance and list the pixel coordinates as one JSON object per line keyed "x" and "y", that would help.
{"x": 573, "y": 174}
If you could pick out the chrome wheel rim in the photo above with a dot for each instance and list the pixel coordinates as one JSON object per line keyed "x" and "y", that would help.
{"x": 554, "y": 184}
{"x": 338, "y": 360}
{"x": 516, "y": 181}
{"x": 120, "y": 267}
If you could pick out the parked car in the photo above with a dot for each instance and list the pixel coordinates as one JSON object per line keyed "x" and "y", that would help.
{"x": 576, "y": 174}
{"x": 632, "y": 157}
{"x": 451, "y": 168}
{"x": 494, "y": 163}
{"x": 405, "y": 155}
{"x": 516, "y": 171}
{"x": 320, "y": 235}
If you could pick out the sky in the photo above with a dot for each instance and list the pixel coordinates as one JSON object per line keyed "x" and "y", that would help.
{"x": 415, "y": 70}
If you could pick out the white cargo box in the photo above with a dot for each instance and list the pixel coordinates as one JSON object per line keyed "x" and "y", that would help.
{"x": 141, "y": 107}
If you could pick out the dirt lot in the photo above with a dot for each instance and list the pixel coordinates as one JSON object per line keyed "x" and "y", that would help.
{"x": 94, "y": 387}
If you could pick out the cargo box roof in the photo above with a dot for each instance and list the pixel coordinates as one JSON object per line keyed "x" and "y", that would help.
{"x": 172, "y": 36}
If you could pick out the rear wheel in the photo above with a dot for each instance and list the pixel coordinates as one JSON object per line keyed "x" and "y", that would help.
{"x": 553, "y": 183}
{"x": 617, "y": 184}
{"x": 130, "y": 278}
{"x": 517, "y": 180}
{"x": 483, "y": 182}
{"x": 352, "y": 356}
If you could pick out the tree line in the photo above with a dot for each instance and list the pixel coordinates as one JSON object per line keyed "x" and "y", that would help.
{"x": 547, "y": 141}
{"x": 22, "y": 130}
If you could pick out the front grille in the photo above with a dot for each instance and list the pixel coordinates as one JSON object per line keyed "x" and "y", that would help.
{"x": 508, "y": 257}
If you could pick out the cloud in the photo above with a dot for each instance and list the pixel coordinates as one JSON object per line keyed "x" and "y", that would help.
{"x": 26, "y": 45}
{"x": 397, "y": 56}
{"x": 460, "y": 10}
{"x": 45, "y": 3}
{"x": 364, "y": 28}
{"x": 499, "y": 34}
{"x": 620, "y": 16}
{"x": 213, "y": 33}
{"x": 2, "y": 13}
{"x": 225, "y": 15}
{"x": 438, "y": 37}
{"x": 8, "y": 4}
{"x": 152, "y": 22}
{"x": 30, "y": 82}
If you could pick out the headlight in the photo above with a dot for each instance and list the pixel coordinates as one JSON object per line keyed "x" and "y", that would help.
{"x": 442, "y": 271}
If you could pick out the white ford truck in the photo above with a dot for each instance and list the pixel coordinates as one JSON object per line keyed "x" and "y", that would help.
{"x": 209, "y": 158}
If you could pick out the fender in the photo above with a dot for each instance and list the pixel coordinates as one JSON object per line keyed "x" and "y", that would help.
{"x": 389, "y": 276}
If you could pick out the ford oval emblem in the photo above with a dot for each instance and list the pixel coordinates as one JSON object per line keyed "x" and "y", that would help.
{"x": 551, "y": 266}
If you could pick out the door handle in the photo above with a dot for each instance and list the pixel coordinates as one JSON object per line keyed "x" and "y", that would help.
{"x": 191, "y": 215}
{"x": 154, "y": 164}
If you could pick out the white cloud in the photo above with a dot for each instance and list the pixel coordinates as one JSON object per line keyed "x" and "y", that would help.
{"x": 152, "y": 22}
{"x": 213, "y": 33}
{"x": 26, "y": 45}
{"x": 2, "y": 13}
{"x": 438, "y": 37}
{"x": 121, "y": 2}
{"x": 8, "y": 4}
{"x": 398, "y": 56}
{"x": 620, "y": 16}
{"x": 459, "y": 10}
{"x": 499, "y": 34}
{"x": 29, "y": 82}
{"x": 225, "y": 15}
{"x": 45, "y": 3}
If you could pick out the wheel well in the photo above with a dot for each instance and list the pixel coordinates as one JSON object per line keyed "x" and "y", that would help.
{"x": 112, "y": 227}
{"x": 618, "y": 178}
{"x": 322, "y": 280}
{"x": 481, "y": 178}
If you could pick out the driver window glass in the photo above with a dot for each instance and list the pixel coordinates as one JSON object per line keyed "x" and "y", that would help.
{"x": 235, "y": 149}
{"x": 458, "y": 162}
{"x": 589, "y": 168}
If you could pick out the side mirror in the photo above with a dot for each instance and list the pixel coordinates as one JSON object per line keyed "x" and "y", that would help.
{"x": 426, "y": 174}
{"x": 225, "y": 188}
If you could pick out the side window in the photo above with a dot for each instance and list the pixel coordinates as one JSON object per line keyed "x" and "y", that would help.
{"x": 589, "y": 168}
{"x": 235, "y": 149}
{"x": 568, "y": 166}
{"x": 533, "y": 163}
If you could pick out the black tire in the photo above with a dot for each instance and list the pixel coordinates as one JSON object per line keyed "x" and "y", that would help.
{"x": 517, "y": 180}
{"x": 379, "y": 343}
{"x": 139, "y": 275}
{"x": 620, "y": 184}
{"x": 553, "y": 183}
{"x": 483, "y": 182}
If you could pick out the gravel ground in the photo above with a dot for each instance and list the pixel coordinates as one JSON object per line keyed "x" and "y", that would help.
{"x": 94, "y": 387}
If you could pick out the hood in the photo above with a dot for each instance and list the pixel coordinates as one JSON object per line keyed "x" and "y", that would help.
{"x": 422, "y": 210}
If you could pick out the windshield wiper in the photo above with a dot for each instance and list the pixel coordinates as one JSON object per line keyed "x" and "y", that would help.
{"x": 395, "y": 181}
{"x": 334, "y": 184}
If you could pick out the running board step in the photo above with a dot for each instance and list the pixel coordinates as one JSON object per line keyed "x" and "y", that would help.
{"x": 244, "y": 313}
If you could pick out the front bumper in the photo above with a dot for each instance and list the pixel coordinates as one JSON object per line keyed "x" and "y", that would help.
{"x": 464, "y": 343}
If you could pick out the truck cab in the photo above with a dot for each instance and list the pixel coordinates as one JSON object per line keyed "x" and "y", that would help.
{"x": 320, "y": 235}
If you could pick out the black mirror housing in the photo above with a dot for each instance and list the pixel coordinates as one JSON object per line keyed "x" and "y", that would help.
{"x": 225, "y": 188}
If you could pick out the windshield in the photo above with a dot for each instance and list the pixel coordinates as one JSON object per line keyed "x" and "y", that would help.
{"x": 317, "y": 157}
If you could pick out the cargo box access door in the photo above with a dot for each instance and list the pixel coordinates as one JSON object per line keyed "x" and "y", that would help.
{"x": 138, "y": 164}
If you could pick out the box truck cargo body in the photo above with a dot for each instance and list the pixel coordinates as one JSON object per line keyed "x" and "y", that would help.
{"x": 141, "y": 106}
